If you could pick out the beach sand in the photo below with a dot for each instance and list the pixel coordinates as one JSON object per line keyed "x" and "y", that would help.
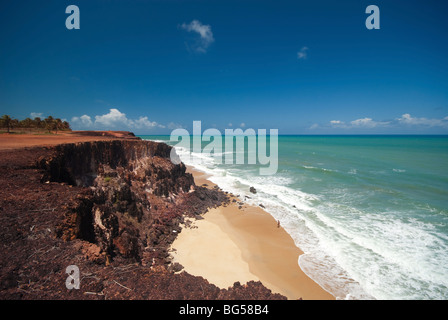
{"x": 228, "y": 245}
{"x": 232, "y": 244}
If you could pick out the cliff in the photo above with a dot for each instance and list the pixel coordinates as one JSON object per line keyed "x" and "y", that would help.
{"x": 110, "y": 207}
{"x": 136, "y": 196}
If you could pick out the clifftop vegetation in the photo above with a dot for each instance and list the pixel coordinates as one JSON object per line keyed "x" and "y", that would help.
{"x": 36, "y": 125}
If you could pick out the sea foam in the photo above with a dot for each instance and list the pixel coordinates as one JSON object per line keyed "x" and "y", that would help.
{"x": 366, "y": 233}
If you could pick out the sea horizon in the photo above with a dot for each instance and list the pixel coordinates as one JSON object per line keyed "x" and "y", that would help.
{"x": 323, "y": 135}
{"x": 330, "y": 116}
{"x": 370, "y": 214}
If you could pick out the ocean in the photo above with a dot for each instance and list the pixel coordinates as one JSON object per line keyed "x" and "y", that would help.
{"x": 370, "y": 213}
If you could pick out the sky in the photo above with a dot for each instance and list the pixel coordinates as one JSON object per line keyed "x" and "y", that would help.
{"x": 302, "y": 67}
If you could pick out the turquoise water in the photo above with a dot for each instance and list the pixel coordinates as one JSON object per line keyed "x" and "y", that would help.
{"x": 370, "y": 212}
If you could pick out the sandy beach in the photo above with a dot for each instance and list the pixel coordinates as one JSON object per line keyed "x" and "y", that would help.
{"x": 229, "y": 244}
{"x": 41, "y": 213}
{"x": 232, "y": 244}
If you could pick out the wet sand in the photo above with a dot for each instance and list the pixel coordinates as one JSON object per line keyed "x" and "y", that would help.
{"x": 232, "y": 244}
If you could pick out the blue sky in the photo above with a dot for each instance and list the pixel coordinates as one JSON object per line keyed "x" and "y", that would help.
{"x": 302, "y": 67}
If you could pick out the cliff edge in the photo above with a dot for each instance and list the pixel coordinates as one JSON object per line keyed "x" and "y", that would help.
{"x": 111, "y": 207}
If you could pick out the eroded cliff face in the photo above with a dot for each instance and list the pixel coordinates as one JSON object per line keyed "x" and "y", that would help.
{"x": 110, "y": 207}
{"x": 81, "y": 163}
{"x": 135, "y": 201}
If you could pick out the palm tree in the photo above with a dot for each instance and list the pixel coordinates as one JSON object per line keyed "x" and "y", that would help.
{"x": 38, "y": 123}
{"x": 66, "y": 125}
{"x": 15, "y": 123}
{"x": 26, "y": 123}
{"x": 49, "y": 123}
{"x": 6, "y": 122}
{"x": 58, "y": 124}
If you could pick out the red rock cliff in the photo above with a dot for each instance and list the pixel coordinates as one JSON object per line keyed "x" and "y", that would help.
{"x": 110, "y": 207}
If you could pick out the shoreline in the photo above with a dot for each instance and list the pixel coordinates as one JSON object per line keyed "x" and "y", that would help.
{"x": 60, "y": 222}
{"x": 256, "y": 247}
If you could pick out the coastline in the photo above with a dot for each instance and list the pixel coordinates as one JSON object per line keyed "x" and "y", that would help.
{"x": 61, "y": 220}
{"x": 250, "y": 240}
{"x": 253, "y": 244}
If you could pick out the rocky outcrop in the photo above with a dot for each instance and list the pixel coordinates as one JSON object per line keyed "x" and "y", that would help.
{"x": 110, "y": 207}
{"x": 136, "y": 198}
{"x": 81, "y": 163}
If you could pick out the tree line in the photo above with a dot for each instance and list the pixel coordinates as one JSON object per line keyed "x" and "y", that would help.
{"x": 37, "y": 124}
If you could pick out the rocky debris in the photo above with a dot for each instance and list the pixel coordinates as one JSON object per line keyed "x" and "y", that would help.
{"x": 175, "y": 267}
{"x": 253, "y": 190}
{"x": 110, "y": 207}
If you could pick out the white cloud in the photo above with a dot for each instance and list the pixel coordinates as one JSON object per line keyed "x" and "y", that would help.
{"x": 368, "y": 123}
{"x": 36, "y": 115}
{"x": 143, "y": 122}
{"x": 338, "y": 124}
{"x": 205, "y": 35}
{"x": 115, "y": 119}
{"x": 242, "y": 125}
{"x": 407, "y": 119}
{"x": 112, "y": 119}
{"x": 84, "y": 121}
{"x": 302, "y": 54}
{"x": 365, "y": 122}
